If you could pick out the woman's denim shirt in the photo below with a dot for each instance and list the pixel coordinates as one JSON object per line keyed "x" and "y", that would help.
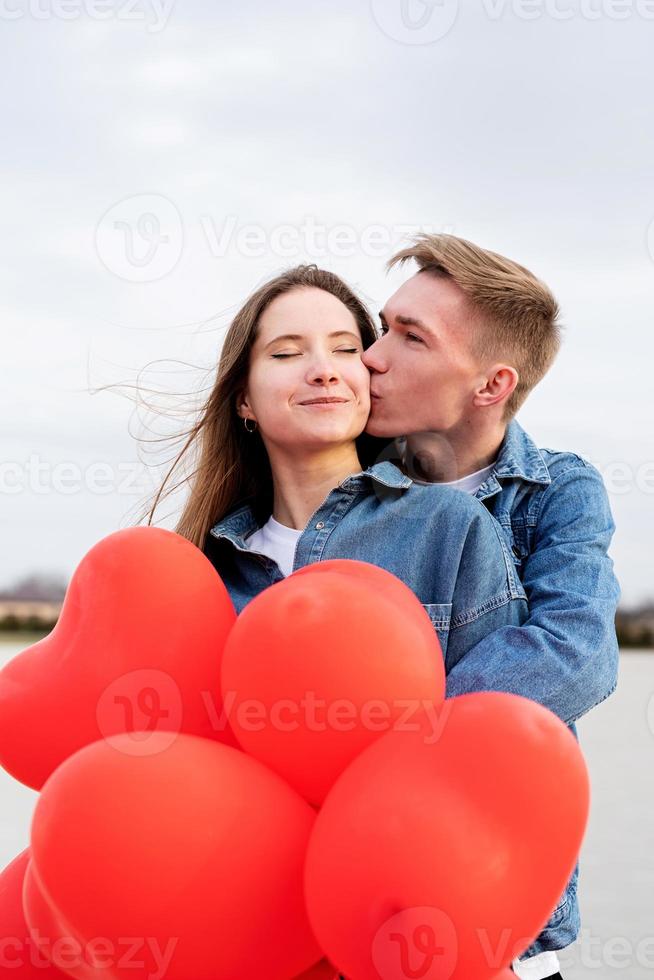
{"x": 440, "y": 542}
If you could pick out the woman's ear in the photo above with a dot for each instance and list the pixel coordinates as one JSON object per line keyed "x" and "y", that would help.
{"x": 243, "y": 406}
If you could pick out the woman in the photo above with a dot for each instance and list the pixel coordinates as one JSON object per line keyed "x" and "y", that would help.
{"x": 285, "y": 475}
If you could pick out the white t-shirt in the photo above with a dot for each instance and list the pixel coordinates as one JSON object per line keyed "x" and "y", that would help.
{"x": 278, "y": 542}
{"x": 537, "y": 967}
{"x": 469, "y": 483}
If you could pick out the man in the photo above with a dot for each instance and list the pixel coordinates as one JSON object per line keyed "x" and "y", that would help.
{"x": 463, "y": 342}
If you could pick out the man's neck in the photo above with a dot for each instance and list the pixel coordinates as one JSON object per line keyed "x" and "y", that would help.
{"x": 440, "y": 457}
{"x": 301, "y": 483}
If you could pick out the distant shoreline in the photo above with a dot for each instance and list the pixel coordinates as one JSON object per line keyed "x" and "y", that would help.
{"x": 36, "y": 614}
{"x": 29, "y": 636}
{"x": 18, "y": 636}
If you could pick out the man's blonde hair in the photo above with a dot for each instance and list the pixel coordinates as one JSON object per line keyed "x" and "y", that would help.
{"x": 517, "y": 312}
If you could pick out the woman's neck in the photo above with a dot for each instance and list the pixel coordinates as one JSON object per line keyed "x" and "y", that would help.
{"x": 301, "y": 483}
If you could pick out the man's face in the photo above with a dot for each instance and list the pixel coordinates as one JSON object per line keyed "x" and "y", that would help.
{"x": 423, "y": 374}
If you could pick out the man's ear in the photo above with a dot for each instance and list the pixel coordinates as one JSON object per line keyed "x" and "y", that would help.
{"x": 501, "y": 381}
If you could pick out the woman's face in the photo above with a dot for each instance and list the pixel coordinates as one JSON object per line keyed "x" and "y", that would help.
{"x": 307, "y": 386}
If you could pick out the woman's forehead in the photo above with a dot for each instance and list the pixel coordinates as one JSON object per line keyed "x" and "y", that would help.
{"x": 305, "y": 312}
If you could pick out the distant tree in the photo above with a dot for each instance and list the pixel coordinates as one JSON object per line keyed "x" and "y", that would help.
{"x": 635, "y": 627}
{"x": 10, "y": 624}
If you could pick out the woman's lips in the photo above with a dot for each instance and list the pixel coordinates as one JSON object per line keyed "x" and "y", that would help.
{"x": 324, "y": 402}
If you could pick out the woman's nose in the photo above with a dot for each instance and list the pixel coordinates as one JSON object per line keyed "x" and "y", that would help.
{"x": 323, "y": 376}
{"x": 323, "y": 371}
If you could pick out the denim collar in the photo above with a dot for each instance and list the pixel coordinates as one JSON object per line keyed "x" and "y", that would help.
{"x": 241, "y": 522}
{"x": 520, "y": 457}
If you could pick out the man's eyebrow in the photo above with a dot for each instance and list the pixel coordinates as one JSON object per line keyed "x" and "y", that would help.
{"x": 299, "y": 336}
{"x": 407, "y": 321}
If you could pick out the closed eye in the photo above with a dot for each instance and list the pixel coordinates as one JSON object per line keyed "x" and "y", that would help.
{"x": 342, "y": 350}
{"x": 412, "y": 336}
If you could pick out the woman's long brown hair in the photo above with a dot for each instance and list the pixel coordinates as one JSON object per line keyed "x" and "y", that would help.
{"x": 231, "y": 465}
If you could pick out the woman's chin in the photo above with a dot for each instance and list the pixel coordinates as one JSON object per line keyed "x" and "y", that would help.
{"x": 328, "y": 439}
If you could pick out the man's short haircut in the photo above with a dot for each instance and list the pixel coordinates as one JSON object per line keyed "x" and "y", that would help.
{"x": 518, "y": 315}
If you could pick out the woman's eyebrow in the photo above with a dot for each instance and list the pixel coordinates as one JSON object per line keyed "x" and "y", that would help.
{"x": 283, "y": 336}
{"x": 299, "y": 336}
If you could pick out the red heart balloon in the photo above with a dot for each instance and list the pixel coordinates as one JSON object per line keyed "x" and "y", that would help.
{"x": 318, "y": 666}
{"x": 435, "y": 848}
{"x": 137, "y": 647}
{"x": 320, "y": 971}
{"x": 385, "y": 584}
{"x": 198, "y": 849}
{"x": 20, "y": 955}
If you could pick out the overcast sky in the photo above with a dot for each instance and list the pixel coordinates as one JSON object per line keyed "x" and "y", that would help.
{"x": 160, "y": 162}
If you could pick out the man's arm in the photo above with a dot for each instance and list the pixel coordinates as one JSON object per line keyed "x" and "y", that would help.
{"x": 565, "y": 655}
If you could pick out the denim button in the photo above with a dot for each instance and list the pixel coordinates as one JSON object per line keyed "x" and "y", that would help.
{"x": 320, "y": 525}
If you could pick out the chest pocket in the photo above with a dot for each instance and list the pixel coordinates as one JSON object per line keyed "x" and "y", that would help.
{"x": 440, "y": 614}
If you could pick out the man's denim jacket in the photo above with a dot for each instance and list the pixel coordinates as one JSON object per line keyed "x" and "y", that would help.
{"x": 555, "y": 513}
{"x": 554, "y": 526}
{"x": 431, "y": 537}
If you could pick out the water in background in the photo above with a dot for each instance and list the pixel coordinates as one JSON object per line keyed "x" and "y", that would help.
{"x": 616, "y": 880}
